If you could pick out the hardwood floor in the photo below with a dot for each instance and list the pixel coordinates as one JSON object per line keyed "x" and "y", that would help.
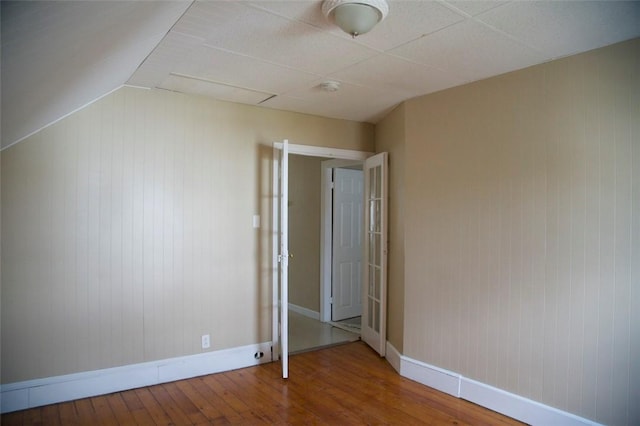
{"x": 342, "y": 385}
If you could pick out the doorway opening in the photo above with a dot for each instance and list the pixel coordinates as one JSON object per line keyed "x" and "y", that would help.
{"x": 374, "y": 247}
{"x": 325, "y": 238}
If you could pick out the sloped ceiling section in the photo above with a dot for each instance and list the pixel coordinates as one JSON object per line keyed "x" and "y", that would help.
{"x": 59, "y": 56}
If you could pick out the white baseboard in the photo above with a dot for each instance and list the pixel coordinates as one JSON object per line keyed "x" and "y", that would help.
{"x": 509, "y": 404}
{"x": 304, "y": 311}
{"x": 393, "y": 357}
{"x": 50, "y": 390}
{"x": 434, "y": 377}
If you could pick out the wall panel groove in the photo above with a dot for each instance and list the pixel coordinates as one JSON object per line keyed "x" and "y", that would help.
{"x": 553, "y": 148}
{"x": 126, "y": 230}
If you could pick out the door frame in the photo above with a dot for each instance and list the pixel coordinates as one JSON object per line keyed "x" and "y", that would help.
{"x": 309, "y": 151}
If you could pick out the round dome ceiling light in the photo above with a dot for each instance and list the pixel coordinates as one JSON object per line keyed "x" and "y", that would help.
{"x": 355, "y": 17}
{"x": 330, "y": 86}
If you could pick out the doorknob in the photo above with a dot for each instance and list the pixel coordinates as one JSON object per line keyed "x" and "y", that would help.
{"x": 291, "y": 255}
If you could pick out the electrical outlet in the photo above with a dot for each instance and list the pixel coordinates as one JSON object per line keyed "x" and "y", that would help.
{"x": 206, "y": 341}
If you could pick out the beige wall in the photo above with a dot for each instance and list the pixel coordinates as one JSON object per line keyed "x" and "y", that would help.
{"x": 390, "y": 137}
{"x": 522, "y": 201}
{"x": 304, "y": 231}
{"x": 127, "y": 230}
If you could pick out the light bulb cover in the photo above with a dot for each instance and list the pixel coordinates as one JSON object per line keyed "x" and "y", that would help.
{"x": 355, "y": 17}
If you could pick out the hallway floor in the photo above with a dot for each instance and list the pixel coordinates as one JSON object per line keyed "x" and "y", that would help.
{"x": 307, "y": 334}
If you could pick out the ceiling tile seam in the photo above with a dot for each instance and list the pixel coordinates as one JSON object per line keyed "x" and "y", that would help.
{"x": 339, "y": 70}
{"x": 509, "y": 36}
{"x": 404, "y": 43}
{"x": 162, "y": 39}
{"x": 172, "y": 31}
{"x": 256, "y": 6}
{"x": 264, "y": 61}
{"x": 208, "y": 80}
{"x": 453, "y": 8}
{"x": 433, "y": 67}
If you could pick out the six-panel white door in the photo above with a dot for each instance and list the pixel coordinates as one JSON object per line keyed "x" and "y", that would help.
{"x": 347, "y": 244}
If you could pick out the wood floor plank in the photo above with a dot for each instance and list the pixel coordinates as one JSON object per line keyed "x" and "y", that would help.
{"x": 86, "y": 413}
{"x": 119, "y": 407}
{"x": 215, "y": 400}
{"x": 13, "y": 419}
{"x": 187, "y": 407}
{"x": 172, "y": 409}
{"x": 51, "y": 414}
{"x": 345, "y": 385}
{"x": 137, "y": 408}
{"x": 155, "y": 410}
{"x": 103, "y": 411}
{"x": 68, "y": 413}
{"x": 206, "y": 407}
{"x": 214, "y": 383}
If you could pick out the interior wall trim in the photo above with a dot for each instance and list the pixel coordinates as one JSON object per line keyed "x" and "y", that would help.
{"x": 393, "y": 357}
{"x": 304, "y": 311}
{"x": 50, "y": 390}
{"x": 507, "y": 403}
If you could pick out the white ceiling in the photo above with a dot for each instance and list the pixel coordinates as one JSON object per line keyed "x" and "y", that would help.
{"x": 276, "y": 53}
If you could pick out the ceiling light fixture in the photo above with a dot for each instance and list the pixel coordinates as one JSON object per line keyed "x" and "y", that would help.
{"x": 330, "y": 86}
{"x": 355, "y": 17}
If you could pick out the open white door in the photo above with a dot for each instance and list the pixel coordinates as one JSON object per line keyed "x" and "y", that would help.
{"x": 281, "y": 254}
{"x": 347, "y": 244}
{"x": 374, "y": 273}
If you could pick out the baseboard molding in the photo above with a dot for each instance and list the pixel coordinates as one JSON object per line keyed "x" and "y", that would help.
{"x": 429, "y": 375}
{"x": 304, "y": 311}
{"x": 50, "y": 390}
{"x": 393, "y": 357}
{"x": 509, "y": 404}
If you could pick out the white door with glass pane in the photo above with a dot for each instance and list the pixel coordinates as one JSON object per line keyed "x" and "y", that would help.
{"x": 374, "y": 274}
{"x": 281, "y": 254}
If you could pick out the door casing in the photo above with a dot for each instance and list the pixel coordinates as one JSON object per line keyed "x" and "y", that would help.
{"x": 312, "y": 151}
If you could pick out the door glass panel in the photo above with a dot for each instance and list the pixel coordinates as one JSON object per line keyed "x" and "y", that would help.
{"x": 376, "y": 215}
{"x": 376, "y": 322}
{"x": 378, "y": 181}
{"x": 377, "y": 249}
{"x": 372, "y": 184}
{"x": 372, "y": 247}
{"x": 372, "y": 282}
{"x": 371, "y": 313}
{"x": 373, "y": 215}
{"x": 376, "y": 282}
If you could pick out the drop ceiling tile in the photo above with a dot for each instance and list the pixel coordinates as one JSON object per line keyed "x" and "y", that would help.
{"x": 475, "y": 7}
{"x": 347, "y": 103}
{"x": 564, "y": 28}
{"x": 469, "y": 50}
{"x": 173, "y": 50}
{"x": 240, "y": 28}
{"x": 389, "y": 72}
{"x": 309, "y": 11}
{"x": 187, "y": 84}
{"x": 406, "y": 21}
{"x": 242, "y": 71}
